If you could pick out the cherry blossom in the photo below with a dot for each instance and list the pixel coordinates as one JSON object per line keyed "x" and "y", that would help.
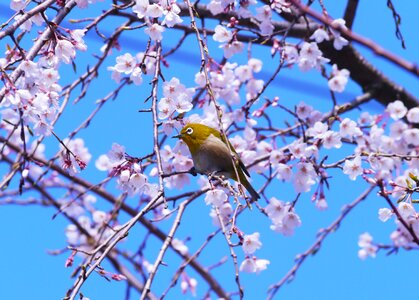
{"x": 319, "y": 35}
{"x": 215, "y": 7}
{"x": 77, "y": 35}
{"x": 225, "y": 212}
{"x": 281, "y": 141}
{"x": 275, "y": 209}
{"x": 26, "y": 25}
{"x": 232, "y": 48}
{"x": 154, "y": 10}
{"x": 264, "y": 15}
{"x": 251, "y": 243}
{"x": 248, "y": 265}
{"x": 254, "y": 265}
{"x": 155, "y": 32}
{"x": 321, "y": 204}
{"x": 17, "y": 4}
{"x": 339, "y": 42}
{"x": 221, "y": 34}
{"x": 349, "y": 128}
{"x": 384, "y": 214}
{"x": 171, "y": 16}
{"x": 396, "y": 109}
{"x": 353, "y": 168}
{"x": 413, "y": 115}
{"x": 411, "y": 136}
{"x": 367, "y": 247}
{"x": 215, "y": 197}
{"x": 310, "y": 57}
{"x": 303, "y": 110}
{"x": 331, "y": 139}
{"x": 177, "y": 98}
{"x": 180, "y": 246}
{"x": 283, "y": 217}
{"x": 80, "y": 154}
{"x": 339, "y": 79}
{"x": 64, "y": 50}
{"x": 188, "y": 284}
{"x": 406, "y": 210}
{"x": 140, "y": 8}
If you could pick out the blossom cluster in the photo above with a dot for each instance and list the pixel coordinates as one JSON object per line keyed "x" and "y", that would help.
{"x": 134, "y": 66}
{"x": 176, "y": 98}
{"x": 92, "y": 221}
{"x": 243, "y": 9}
{"x": 230, "y": 44}
{"x": 174, "y": 159}
{"x": 252, "y": 264}
{"x": 339, "y": 41}
{"x": 221, "y": 213}
{"x": 74, "y": 153}
{"x": 367, "y": 246}
{"x": 131, "y": 178}
{"x": 283, "y": 216}
{"x": 227, "y": 80}
{"x": 169, "y": 10}
{"x": 34, "y": 97}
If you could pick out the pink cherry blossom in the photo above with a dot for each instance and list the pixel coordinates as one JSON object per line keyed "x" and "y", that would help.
{"x": 339, "y": 79}
{"x": 155, "y": 32}
{"x": 17, "y": 5}
{"x": 64, "y": 50}
{"x": 384, "y": 214}
{"x": 140, "y": 8}
{"x": 319, "y": 35}
{"x": 154, "y": 10}
{"x": 251, "y": 243}
{"x": 221, "y": 34}
{"x": 349, "y": 128}
{"x": 396, "y": 109}
{"x": 353, "y": 168}
{"x": 413, "y": 115}
{"x": 125, "y": 63}
{"x": 215, "y": 197}
{"x": 406, "y": 210}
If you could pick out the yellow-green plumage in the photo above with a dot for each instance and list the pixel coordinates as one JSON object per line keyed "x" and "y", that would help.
{"x": 210, "y": 153}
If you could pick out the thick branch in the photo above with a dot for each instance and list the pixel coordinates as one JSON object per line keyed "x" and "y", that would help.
{"x": 350, "y": 12}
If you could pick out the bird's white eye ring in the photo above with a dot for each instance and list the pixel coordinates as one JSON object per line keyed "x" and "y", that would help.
{"x": 189, "y": 131}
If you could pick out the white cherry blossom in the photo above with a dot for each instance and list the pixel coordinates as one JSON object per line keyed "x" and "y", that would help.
{"x": 353, "y": 168}
{"x": 221, "y": 34}
{"x": 251, "y": 243}
{"x": 155, "y": 32}
{"x": 396, "y": 109}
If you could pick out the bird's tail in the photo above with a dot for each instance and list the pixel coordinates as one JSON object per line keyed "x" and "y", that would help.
{"x": 248, "y": 186}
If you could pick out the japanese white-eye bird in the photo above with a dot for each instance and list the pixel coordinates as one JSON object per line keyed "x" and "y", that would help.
{"x": 211, "y": 155}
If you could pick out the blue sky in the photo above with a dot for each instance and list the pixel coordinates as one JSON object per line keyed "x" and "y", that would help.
{"x": 335, "y": 272}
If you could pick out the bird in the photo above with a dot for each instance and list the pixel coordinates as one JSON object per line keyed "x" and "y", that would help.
{"x": 211, "y": 155}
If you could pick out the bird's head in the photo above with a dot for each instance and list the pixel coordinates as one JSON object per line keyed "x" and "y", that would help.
{"x": 194, "y": 135}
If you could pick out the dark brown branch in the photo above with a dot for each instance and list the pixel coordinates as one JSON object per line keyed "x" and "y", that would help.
{"x": 350, "y": 12}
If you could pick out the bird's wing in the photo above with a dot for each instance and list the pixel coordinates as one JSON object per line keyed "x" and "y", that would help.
{"x": 241, "y": 164}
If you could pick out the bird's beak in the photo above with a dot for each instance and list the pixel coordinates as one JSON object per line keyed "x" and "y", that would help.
{"x": 177, "y": 136}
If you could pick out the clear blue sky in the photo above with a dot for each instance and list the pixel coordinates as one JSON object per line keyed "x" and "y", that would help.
{"x": 335, "y": 272}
